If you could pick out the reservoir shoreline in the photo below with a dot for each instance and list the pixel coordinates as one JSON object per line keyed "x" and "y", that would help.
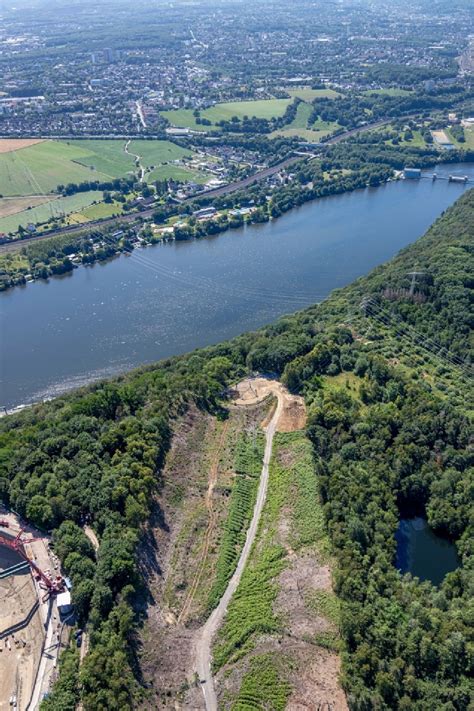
{"x": 175, "y": 297}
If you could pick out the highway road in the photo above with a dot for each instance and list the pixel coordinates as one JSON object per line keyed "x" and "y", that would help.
{"x": 203, "y": 657}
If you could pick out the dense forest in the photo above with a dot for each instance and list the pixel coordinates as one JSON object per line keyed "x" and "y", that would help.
{"x": 396, "y": 441}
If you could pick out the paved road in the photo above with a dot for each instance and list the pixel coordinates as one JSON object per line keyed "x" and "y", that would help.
{"x": 203, "y": 644}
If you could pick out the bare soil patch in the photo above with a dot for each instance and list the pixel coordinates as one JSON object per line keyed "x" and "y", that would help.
{"x": 252, "y": 390}
{"x": 317, "y": 688}
{"x": 11, "y": 206}
{"x": 302, "y": 577}
{"x": 8, "y": 145}
{"x": 20, "y": 651}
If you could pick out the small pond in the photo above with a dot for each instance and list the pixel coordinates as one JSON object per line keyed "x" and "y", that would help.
{"x": 422, "y": 553}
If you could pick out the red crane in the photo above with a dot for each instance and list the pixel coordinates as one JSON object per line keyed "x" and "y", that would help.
{"x": 17, "y": 544}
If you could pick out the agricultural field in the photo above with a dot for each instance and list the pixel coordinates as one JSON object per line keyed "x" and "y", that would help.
{"x": 265, "y": 109}
{"x": 63, "y": 206}
{"x": 307, "y": 94}
{"x": 31, "y": 170}
{"x": 12, "y": 205}
{"x": 109, "y": 156}
{"x": 38, "y": 169}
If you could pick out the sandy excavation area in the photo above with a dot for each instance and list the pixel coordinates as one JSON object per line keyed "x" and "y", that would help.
{"x": 8, "y": 145}
{"x": 19, "y": 651}
{"x": 253, "y": 390}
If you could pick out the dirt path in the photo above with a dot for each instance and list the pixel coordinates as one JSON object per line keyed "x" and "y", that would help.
{"x": 204, "y": 640}
{"x": 210, "y": 528}
{"x": 137, "y": 161}
{"x": 90, "y": 533}
{"x": 92, "y": 537}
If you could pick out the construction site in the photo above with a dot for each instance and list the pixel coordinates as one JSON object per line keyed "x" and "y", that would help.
{"x": 34, "y": 614}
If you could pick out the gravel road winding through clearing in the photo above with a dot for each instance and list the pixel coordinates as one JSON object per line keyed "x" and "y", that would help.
{"x": 203, "y": 644}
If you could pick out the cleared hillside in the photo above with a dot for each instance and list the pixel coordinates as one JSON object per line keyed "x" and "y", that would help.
{"x": 384, "y": 367}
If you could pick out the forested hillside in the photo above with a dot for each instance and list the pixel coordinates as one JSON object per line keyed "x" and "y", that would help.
{"x": 396, "y": 440}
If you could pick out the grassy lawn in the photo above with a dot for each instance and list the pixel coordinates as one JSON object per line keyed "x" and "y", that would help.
{"x": 99, "y": 211}
{"x": 52, "y": 208}
{"x": 38, "y": 169}
{"x": 301, "y": 119}
{"x": 416, "y": 142}
{"x": 299, "y": 126}
{"x": 306, "y": 133}
{"x": 183, "y": 118}
{"x": 265, "y": 108}
{"x": 176, "y": 172}
{"x": 468, "y": 135}
{"x": 307, "y": 94}
{"x": 157, "y": 152}
{"x": 328, "y": 126}
{"x": 389, "y": 92}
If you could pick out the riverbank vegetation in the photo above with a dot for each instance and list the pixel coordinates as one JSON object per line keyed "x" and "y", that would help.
{"x": 395, "y": 438}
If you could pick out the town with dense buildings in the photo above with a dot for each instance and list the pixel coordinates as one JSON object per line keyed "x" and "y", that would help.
{"x": 135, "y": 122}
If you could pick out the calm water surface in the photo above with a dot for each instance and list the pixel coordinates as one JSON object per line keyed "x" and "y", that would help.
{"x": 422, "y": 553}
{"x": 172, "y": 298}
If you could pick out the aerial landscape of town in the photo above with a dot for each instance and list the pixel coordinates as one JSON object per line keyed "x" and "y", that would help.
{"x": 236, "y": 367}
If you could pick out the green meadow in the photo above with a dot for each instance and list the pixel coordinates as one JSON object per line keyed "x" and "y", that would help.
{"x": 264, "y": 108}
{"x": 307, "y": 94}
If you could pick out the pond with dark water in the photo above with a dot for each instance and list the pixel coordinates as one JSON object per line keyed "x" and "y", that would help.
{"x": 423, "y": 553}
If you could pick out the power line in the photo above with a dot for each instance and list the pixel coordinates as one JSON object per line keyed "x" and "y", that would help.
{"x": 410, "y": 334}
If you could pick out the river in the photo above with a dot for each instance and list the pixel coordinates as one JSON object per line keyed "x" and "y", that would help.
{"x": 172, "y": 298}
